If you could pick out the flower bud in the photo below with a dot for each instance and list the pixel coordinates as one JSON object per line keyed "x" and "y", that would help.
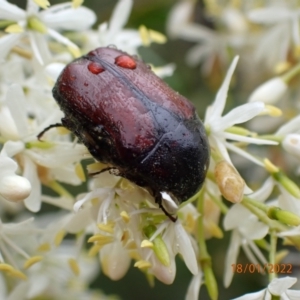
{"x": 269, "y": 92}
{"x": 229, "y": 181}
{"x": 291, "y": 143}
{"x": 15, "y": 188}
{"x": 159, "y": 247}
{"x": 284, "y": 216}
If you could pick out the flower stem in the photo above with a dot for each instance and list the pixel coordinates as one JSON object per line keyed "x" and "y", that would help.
{"x": 272, "y": 253}
{"x": 255, "y": 203}
{"x": 204, "y": 257}
{"x": 258, "y": 210}
{"x": 291, "y": 73}
{"x": 218, "y": 201}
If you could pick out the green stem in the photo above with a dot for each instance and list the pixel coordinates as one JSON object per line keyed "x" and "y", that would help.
{"x": 190, "y": 200}
{"x": 272, "y": 253}
{"x": 291, "y": 73}
{"x": 271, "y": 137}
{"x": 219, "y": 202}
{"x": 255, "y": 203}
{"x": 204, "y": 257}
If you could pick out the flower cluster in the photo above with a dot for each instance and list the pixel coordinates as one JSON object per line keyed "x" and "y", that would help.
{"x": 113, "y": 222}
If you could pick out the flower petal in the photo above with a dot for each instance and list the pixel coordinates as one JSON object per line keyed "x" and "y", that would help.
{"x": 161, "y": 272}
{"x": 115, "y": 260}
{"x": 119, "y": 16}
{"x": 7, "y": 166}
{"x": 54, "y": 69}
{"x": 219, "y": 103}
{"x": 39, "y": 47}
{"x": 231, "y": 256}
{"x": 235, "y": 216}
{"x": 7, "y": 42}
{"x": 240, "y": 114}
{"x": 291, "y": 143}
{"x": 11, "y": 148}
{"x": 60, "y": 38}
{"x": 241, "y": 152}
{"x": 186, "y": 249}
{"x": 15, "y": 100}
{"x": 253, "y": 229}
{"x": 178, "y": 17}
{"x": 33, "y": 202}
{"x": 293, "y": 294}
{"x": 194, "y": 287}
{"x": 264, "y": 191}
{"x": 290, "y": 127}
{"x": 80, "y": 221}
{"x": 270, "y": 91}
{"x": 279, "y": 286}
{"x": 61, "y": 154}
{"x": 12, "y": 12}
{"x": 64, "y": 17}
{"x": 269, "y": 15}
{"x": 260, "y": 295}
{"x": 247, "y": 139}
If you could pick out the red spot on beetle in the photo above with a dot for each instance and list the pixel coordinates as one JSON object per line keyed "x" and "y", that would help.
{"x": 95, "y": 68}
{"x": 126, "y": 62}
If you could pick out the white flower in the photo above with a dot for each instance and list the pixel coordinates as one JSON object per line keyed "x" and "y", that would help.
{"x": 58, "y": 269}
{"x": 278, "y": 287}
{"x": 112, "y": 233}
{"x": 176, "y": 240}
{"x": 245, "y": 229}
{"x": 55, "y": 161}
{"x": 282, "y": 19}
{"x": 270, "y": 91}
{"x": 289, "y": 193}
{"x": 53, "y": 70}
{"x": 216, "y": 124}
{"x": 290, "y": 135}
{"x": 292, "y": 232}
{"x": 18, "y": 242}
{"x": 12, "y": 187}
{"x": 194, "y": 287}
{"x": 113, "y": 33}
{"x": 122, "y": 227}
{"x": 35, "y": 25}
{"x": 212, "y": 45}
{"x": 291, "y": 143}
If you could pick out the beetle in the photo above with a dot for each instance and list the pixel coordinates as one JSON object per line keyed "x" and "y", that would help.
{"x": 132, "y": 120}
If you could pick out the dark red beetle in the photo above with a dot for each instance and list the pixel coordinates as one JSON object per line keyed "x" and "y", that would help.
{"x": 128, "y": 117}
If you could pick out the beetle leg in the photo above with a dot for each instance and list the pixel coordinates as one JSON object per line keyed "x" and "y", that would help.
{"x": 39, "y": 136}
{"x": 107, "y": 169}
{"x": 158, "y": 200}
